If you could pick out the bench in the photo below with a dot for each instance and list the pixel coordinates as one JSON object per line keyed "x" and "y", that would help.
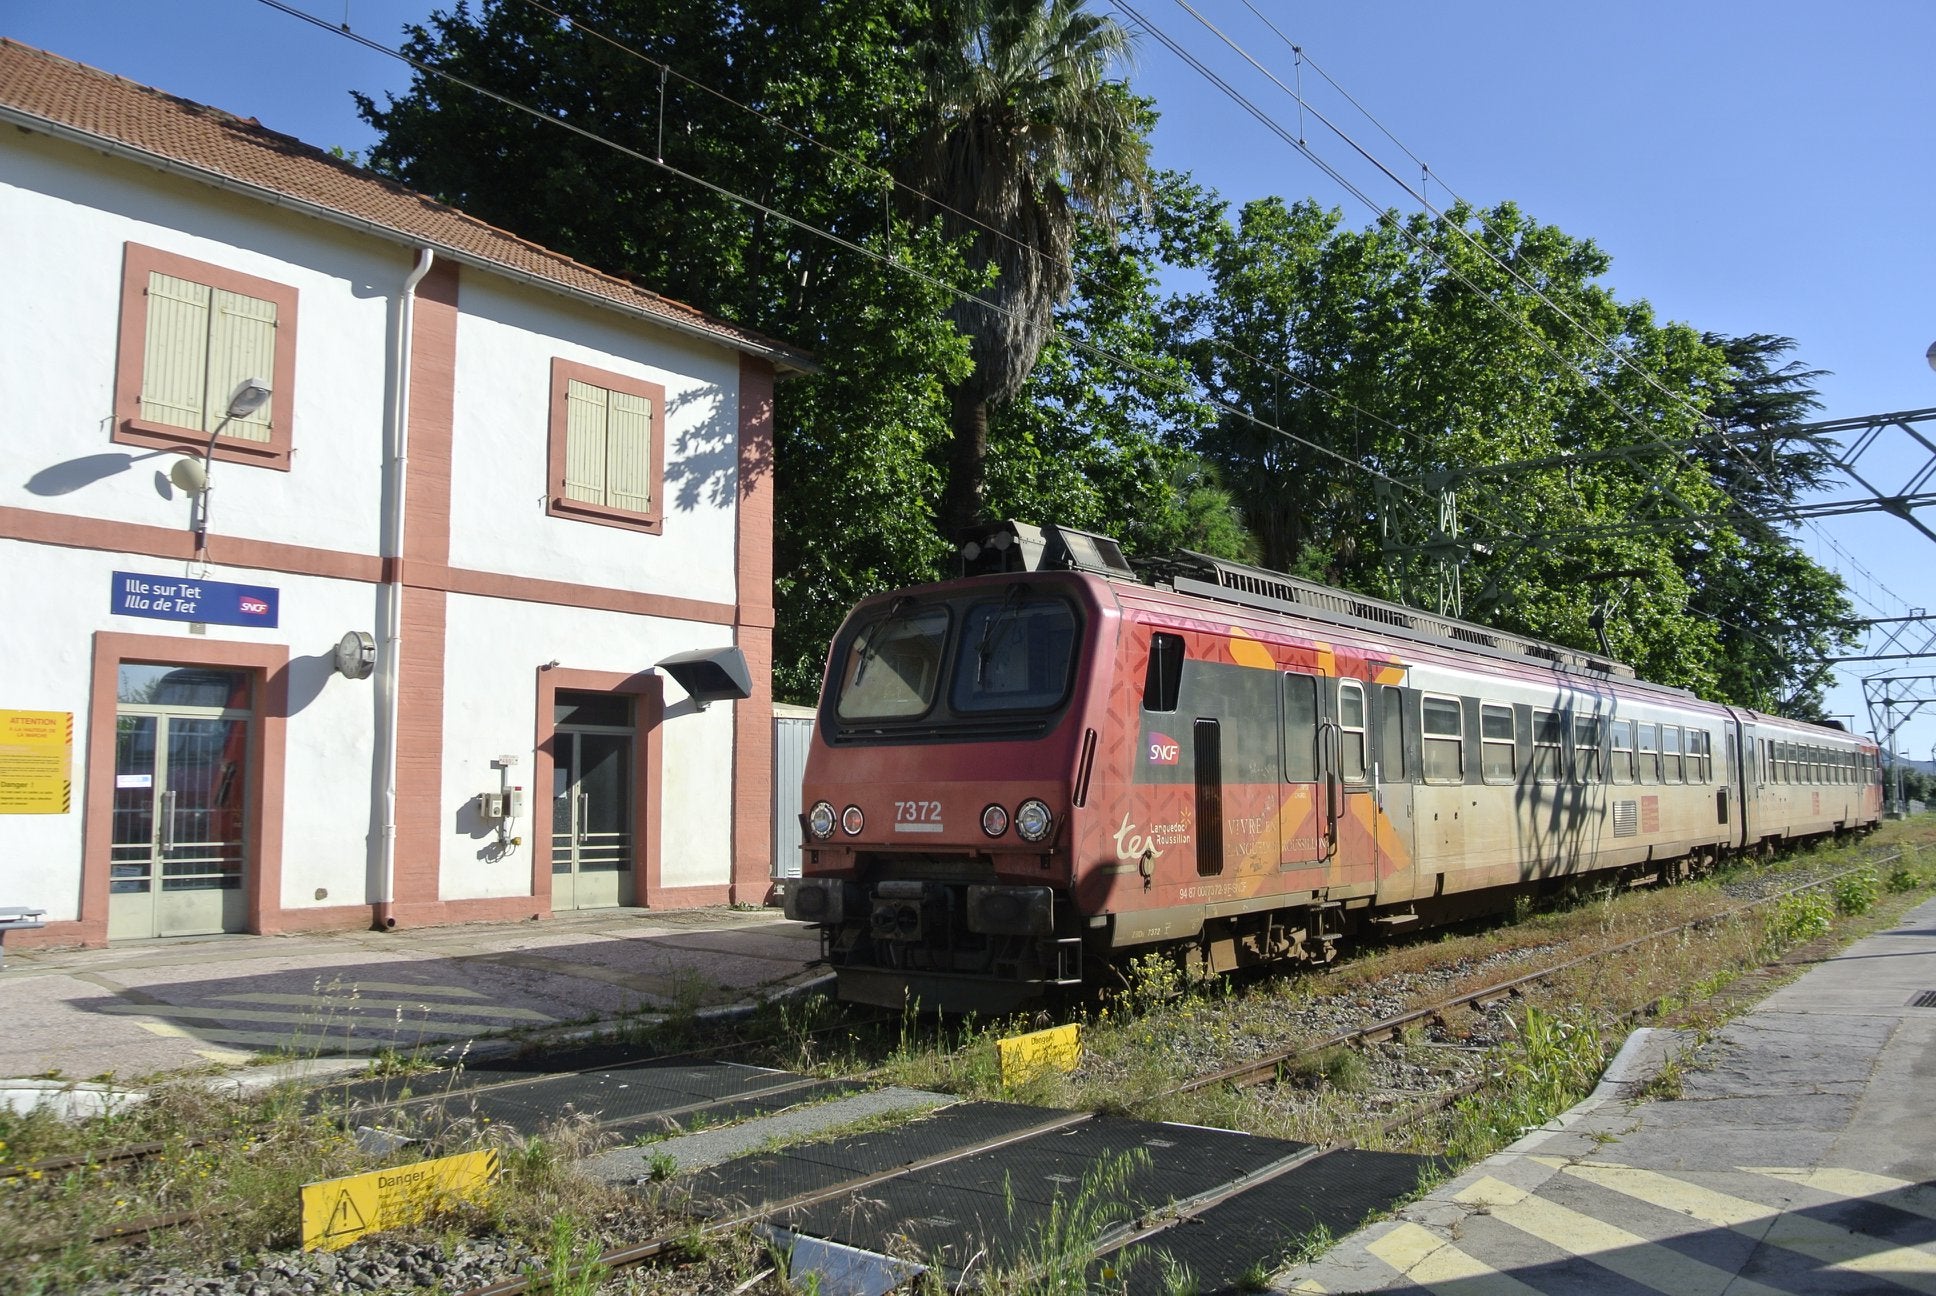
{"x": 15, "y": 918}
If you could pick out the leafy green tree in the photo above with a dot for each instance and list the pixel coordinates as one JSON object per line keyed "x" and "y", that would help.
{"x": 1019, "y": 135}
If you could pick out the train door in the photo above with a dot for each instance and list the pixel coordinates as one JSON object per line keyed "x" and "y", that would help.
{"x": 1394, "y": 758}
{"x": 592, "y": 852}
{"x": 1345, "y": 783}
{"x": 182, "y": 751}
{"x": 1310, "y": 815}
{"x": 1753, "y": 780}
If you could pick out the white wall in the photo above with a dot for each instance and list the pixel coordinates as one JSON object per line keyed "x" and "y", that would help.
{"x": 60, "y": 324}
{"x": 493, "y": 649}
{"x": 49, "y": 656}
{"x": 506, "y": 339}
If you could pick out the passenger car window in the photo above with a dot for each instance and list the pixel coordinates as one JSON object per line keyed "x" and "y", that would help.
{"x": 1443, "y": 730}
{"x": 1498, "y": 755}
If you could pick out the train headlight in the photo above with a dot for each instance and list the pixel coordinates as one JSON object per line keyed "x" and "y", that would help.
{"x": 1033, "y": 820}
{"x": 852, "y": 821}
{"x": 820, "y": 820}
{"x": 994, "y": 821}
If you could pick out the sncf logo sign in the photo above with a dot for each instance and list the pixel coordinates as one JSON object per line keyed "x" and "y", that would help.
{"x": 1163, "y": 749}
{"x": 252, "y": 606}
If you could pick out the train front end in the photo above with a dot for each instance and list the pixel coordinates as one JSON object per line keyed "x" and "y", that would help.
{"x": 949, "y": 753}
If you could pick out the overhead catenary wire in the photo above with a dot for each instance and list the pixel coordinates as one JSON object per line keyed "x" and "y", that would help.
{"x": 1296, "y": 92}
{"x": 1126, "y": 364}
{"x": 1298, "y": 142}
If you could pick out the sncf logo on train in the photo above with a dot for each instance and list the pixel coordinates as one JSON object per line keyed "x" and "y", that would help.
{"x": 1164, "y": 750}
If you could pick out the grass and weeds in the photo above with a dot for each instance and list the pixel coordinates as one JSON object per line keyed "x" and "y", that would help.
{"x": 235, "y": 1161}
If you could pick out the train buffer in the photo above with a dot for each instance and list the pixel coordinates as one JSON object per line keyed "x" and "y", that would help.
{"x": 16, "y": 918}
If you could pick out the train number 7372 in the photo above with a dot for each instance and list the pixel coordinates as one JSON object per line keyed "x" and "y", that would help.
{"x": 917, "y": 816}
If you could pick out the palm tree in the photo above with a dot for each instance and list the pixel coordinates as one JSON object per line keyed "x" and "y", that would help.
{"x": 1020, "y": 136}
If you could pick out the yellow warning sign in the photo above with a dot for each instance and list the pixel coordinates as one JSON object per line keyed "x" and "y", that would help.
{"x": 36, "y": 762}
{"x": 1025, "y": 1056}
{"x": 336, "y": 1212}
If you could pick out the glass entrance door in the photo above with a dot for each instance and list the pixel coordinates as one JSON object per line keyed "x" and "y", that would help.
{"x": 181, "y": 773}
{"x": 591, "y": 807}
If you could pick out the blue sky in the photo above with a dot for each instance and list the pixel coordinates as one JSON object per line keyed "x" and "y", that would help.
{"x": 1750, "y": 167}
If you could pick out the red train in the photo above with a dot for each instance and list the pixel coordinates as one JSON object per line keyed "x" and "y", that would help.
{"x": 1022, "y": 772}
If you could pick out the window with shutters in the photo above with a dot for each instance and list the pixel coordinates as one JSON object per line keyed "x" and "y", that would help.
{"x": 607, "y": 447}
{"x": 191, "y": 333}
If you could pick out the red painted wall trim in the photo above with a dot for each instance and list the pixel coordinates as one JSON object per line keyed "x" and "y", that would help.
{"x": 131, "y": 429}
{"x": 72, "y": 531}
{"x": 753, "y": 630}
{"x": 417, "y": 879}
{"x": 262, "y": 837}
{"x": 648, "y": 712}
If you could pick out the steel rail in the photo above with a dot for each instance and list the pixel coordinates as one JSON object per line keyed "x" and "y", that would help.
{"x": 1266, "y": 1069}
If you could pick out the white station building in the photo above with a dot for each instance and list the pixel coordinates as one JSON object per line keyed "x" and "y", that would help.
{"x": 370, "y": 565}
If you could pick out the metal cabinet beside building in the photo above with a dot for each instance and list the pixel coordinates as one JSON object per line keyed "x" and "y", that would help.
{"x": 792, "y": 736}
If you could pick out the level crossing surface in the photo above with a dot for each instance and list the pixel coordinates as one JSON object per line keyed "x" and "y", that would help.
{"x": 1795, "y": 1155}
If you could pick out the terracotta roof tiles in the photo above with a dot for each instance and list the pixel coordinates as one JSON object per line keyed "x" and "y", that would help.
{"x": 75, "y": 100}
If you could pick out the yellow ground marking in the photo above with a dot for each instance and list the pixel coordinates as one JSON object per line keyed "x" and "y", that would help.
{"x": 299, "y": 1023}
{"x": 335, "y": 982}
{"x": 365, "y": 1004}
{"x": 1611, "y": 1247}
{"x": 1429, "y": 1260}
{"x": 259, "y": 1041}
{"x": 1911, "y": 1198}
{"x": 225, "y": 1057}
{"x": 1838, "y": 1248}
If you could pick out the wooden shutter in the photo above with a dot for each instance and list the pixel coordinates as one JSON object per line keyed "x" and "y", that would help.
{"x": 241, "y": 345}
{"x": 628, "y": 452}
{"x": 585, "y": 454}
{"x": 174, "y": 363}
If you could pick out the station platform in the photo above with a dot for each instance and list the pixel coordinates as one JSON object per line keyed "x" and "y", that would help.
{"x": 1795, "y": 1155}
{"x": 148, "y": 1007}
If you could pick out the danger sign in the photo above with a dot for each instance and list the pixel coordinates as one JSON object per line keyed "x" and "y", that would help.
{"x": 336, "y": 1212}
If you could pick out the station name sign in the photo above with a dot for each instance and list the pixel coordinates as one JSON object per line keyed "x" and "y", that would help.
{"x": 179, "y": 598}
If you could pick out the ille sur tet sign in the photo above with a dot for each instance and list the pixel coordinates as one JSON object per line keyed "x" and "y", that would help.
{"x": 184, "y": 598}
{"x": 36, "y": 762}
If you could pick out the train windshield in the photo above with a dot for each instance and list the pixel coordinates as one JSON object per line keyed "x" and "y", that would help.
{"x": 894, "y": 665}
{"x": 1015, "y": 654}
{"x": 1007, "y": 655}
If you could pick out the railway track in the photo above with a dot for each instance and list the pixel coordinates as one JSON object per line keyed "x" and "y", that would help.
{"x": 651, "y": 1096}
{"x": 1143, "y": 1230}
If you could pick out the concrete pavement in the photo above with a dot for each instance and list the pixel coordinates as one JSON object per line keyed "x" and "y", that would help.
{"x": 142, "y": 1008}
{"x": 1799, "y": 1157}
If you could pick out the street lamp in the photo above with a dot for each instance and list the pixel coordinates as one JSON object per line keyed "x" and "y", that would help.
{"x": 195, "y": 476}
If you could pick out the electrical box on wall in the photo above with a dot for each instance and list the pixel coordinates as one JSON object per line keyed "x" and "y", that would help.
{"x": 514, "y": 803}
{"x": 490, "y": 805}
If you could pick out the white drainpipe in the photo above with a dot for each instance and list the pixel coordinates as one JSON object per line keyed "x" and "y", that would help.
{"x": 393, "y": 550}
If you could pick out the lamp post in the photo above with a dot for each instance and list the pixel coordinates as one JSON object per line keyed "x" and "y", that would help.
{"x": 250, "y": 395}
